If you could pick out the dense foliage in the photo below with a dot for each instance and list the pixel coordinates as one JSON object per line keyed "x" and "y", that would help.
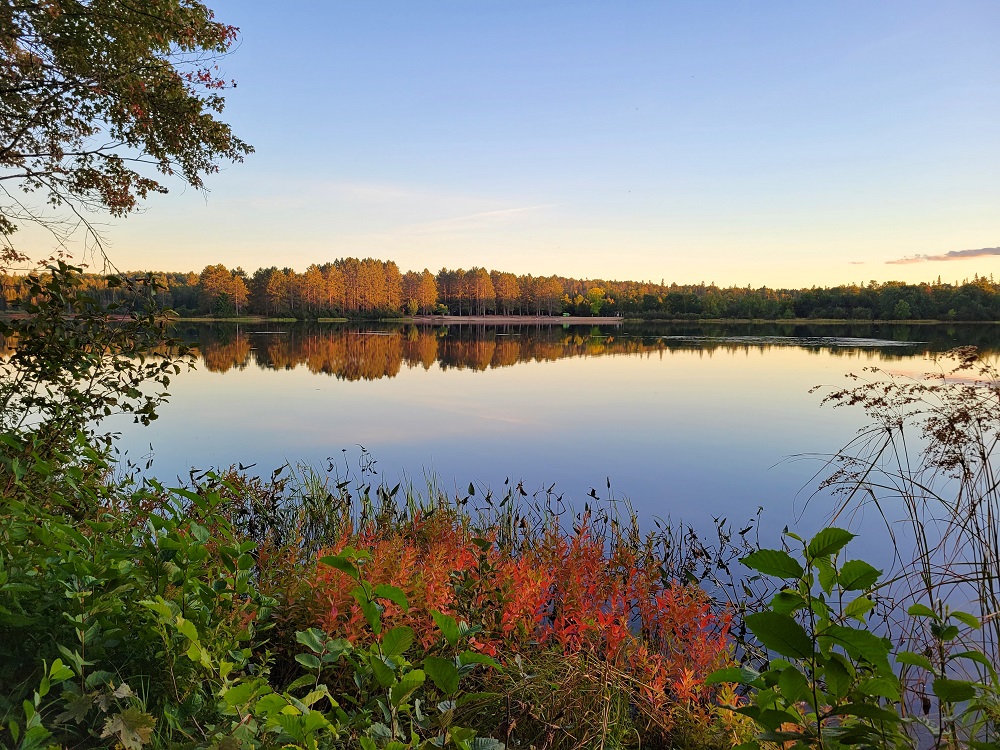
{"x": 99, "y": 99}
{"x": 373, "y": 288}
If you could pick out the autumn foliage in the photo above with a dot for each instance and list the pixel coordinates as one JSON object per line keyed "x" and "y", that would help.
{"x": 596, "y": 603}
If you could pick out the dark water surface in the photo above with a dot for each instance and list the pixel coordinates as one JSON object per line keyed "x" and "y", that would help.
{"x": 686, "y": 420}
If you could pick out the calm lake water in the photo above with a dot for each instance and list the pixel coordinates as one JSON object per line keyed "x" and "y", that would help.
{"x": 687, "y": 421}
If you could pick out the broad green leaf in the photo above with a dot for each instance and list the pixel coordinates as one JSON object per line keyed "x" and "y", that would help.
{"x": 838, "y": 675}
{"x": 953, "y": 691}
{"x": 793, "y": 685}
{"x": 311, "y": 639}
{"x": 827, "y": 574}
{"x": 309, "y": 661}
{"x": 883, "y": 687}
{"x": 342, "y": 564}
{"x": 914, "y": 660}
{"x": 866, "y": 711}
{"x": 859, "y": 608}
{"x": 447, "y": 625}
{"x": 240, "y": 695}
{"x": 474, "y": 657}
{"x": 971, "y": 620}
{"x": 829, "y": 541}
{"x": 773, "y": 562}
{"x": 393, "y": 594}
{"x": 739, "y": 675}
{"x": 382, "y": 671}
{"x": 921, "y": 610}
{"x": 405, "y": 687}
{"x": 857, "y": 575}
{"x": 785, "y": 602}
{"x": 780, "y": 633}
{"x": 396, "y": 641}
{"x": 443, "y": 672}
{"x": 860, "y": 644}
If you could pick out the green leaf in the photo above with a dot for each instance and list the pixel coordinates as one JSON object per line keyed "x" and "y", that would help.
{"x": 953, "y": 691}
{"x": 239, "y": 695}
{"x": 857, "y": 575}
{"x": 914, "y": 660}
{"x": 447, "y": 625}
{"x": 785, "y": 602}
{"x": 883, "y": 687}
{"x": 780, "y": 633}
{"x": 859, "y": 608}
{"x": 793, "y": 685}
{"x": 860, "y": 644}
{"x": 773, "y": 562}
{"x": 741, "y": 675}
{"x": 827, "y": 574}
{"x": 443, "y": 672}
{"x": 829, "y": 541}
{"x": 382, "y": 671}
{"x": 921, "y": 610}
{"x": 838, "y": 676}
{"x": 393, "y": 594}
{"x": 342, "y": 564}
{"x": 403, "y": 689}
{"x": 971, "y": 620}
{"x": 396, "y": 641}
{"x": 311, "y": 639}
{"x": 474, "y": 657}
{"x": 309, "y": 661}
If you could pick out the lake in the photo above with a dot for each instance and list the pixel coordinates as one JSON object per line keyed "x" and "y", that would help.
{"x": 686, "y": 421}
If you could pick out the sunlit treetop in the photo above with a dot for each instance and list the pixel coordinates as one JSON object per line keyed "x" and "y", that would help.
{"x": 100, "y": 100}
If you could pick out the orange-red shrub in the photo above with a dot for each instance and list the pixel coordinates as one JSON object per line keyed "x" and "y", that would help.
{"x": 572, "y": 592}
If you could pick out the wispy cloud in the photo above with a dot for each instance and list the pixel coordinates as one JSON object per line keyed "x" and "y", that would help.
{"x": 952, "y": 255}
{"x": 857, "y": 262}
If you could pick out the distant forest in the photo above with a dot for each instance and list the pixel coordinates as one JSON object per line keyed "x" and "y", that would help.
{"x": 371, "y": 288}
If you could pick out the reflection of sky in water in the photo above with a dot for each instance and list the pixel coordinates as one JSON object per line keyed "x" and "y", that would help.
{"x": 688, "y": 433}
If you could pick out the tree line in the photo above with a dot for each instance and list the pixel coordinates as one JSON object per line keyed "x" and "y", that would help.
{"x": 360, "y": 288}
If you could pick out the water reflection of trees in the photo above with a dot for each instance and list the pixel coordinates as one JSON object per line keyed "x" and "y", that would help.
{"x": 372, "y": 354}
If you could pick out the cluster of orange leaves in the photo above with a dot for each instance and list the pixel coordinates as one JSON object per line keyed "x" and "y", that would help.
{"x": 561, "y": 590}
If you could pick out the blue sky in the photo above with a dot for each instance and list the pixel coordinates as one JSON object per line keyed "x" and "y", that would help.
{"x": 781, "y": 143}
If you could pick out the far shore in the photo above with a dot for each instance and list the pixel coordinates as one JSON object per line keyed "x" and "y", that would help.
{"x": 537, "y": 320}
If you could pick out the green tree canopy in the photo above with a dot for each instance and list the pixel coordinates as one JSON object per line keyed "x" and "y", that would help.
{"x": 101, "y": 99}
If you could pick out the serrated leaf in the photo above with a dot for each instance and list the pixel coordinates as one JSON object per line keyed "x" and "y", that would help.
{"x": 773, "y": 562}
{"x": 740, "y": 675}
{"x": 857, "y": 575}
{"x": 393, "y": 594}
{"x": 838, "y": 676}
{"x": 914, "y": 660}
{"x": 474, "y": 657}
{"x": 309, "y": 661}
{"x": 403, "y": 689}
{"x": 859, "y": 644}
{"x": 953, "y": 691}
{"x": 396, "y": 641}
{"x": 342, "y": 564}
{"x": 828, "y": 541}
{"x": 920, "y": 610}
{"x": 967, "y": 619}
{"x": 780, "y": 633}
{"x": 382, "y": 671}
{"x": 311, "y": 639}
{"x": 447, "y": 625}
{"x": 883, "y": 687}
{"x": 443, "y": 672}
{"x": 859, "y": 608}
{"x": 786, "y": 602}
{"x": 793, "y": 685}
